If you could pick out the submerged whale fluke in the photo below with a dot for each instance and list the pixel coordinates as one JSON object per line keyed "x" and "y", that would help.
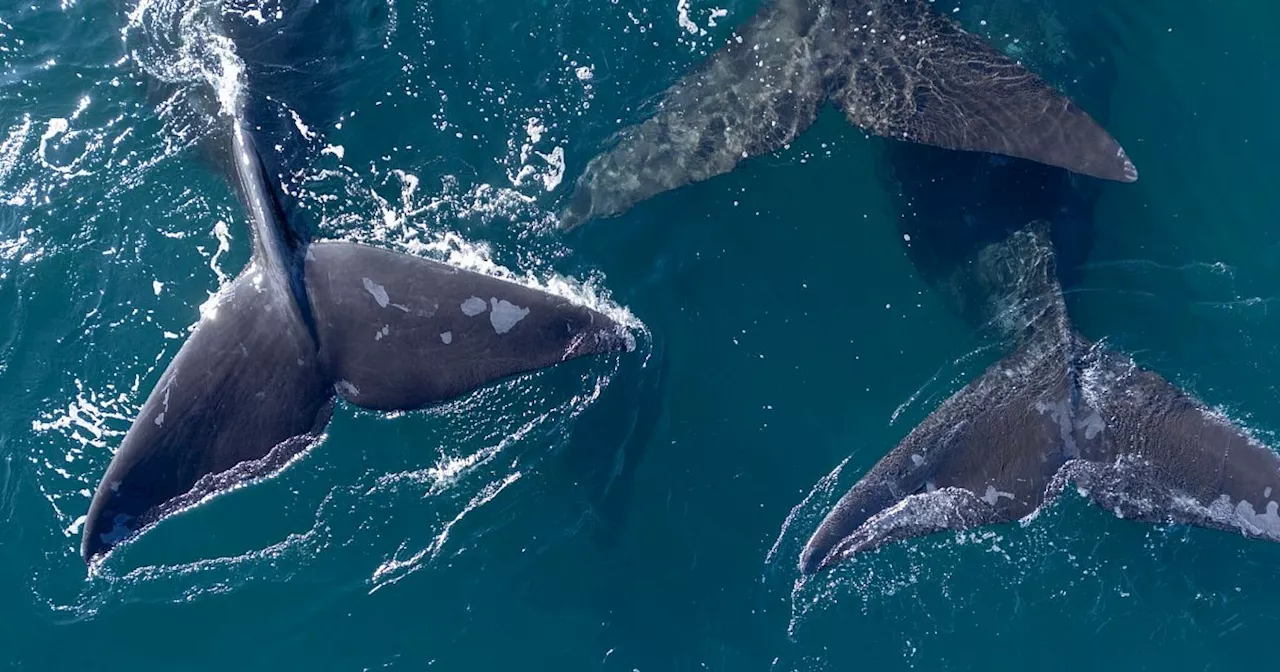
{"x": 752, "y": 97}
{"x": 895, "y": 67}
{"x": 918, "y": 76}
{"x": 1058, "y": 410}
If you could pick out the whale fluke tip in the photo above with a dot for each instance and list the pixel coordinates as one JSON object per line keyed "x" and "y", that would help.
{"x": 1130, "y": 171}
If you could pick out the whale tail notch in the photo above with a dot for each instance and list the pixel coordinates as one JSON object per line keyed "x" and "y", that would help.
{"x": 1058, "y": 410}
{"x": 902, "y": 72}
{"x": 251, "y": 388}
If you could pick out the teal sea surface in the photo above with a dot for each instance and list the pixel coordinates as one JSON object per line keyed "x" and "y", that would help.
{"x": 640, "y": 511}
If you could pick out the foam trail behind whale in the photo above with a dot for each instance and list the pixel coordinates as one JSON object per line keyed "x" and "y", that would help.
{"x": 896, "y": 68}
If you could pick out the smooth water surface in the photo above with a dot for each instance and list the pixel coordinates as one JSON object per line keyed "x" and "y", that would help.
{"x": 641, "y": 512}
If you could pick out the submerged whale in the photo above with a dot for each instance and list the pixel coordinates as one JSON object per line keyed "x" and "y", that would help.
{"x": 896, "y": 68}
{"x": 305, "y": 322}
{"x": 997, "y": 238}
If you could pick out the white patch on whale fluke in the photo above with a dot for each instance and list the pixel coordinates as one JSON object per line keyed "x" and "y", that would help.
{"x": 446, "y": 337}
{"x": 1267, "y": 493}
{"x": 917, "y": 459}
{"x": 378, "y": 292}
{"x": 505, "y": 315}
{"x": 1092, "y": 425}
{"x": 992, "y": 495}
{"x": 473, "y": 306}
{"x": 935, "y": 510}
{"x": 452, "y": 249}
{"x": 347, "y": 388}
{"x": 1060, "y": 411}
{"x": 1240, "y": 515}
{"x": 386, "y": 329}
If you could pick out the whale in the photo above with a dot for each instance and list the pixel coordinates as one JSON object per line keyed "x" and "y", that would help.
{"x": 896, "y": 68}
{"x": 308, "y": 322}
{"x": 998, "y": 239}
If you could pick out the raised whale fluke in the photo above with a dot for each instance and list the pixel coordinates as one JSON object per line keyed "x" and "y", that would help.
{"x": 250, "y": 388}
{"x": 895, "y": 67}
{"x": 1059, "y": 410}
{"x": 255, "y": 383}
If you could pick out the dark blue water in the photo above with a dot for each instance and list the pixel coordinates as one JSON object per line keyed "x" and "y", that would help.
{"x": 638, "y": 512}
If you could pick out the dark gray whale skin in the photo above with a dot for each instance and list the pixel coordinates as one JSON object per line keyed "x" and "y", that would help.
{"x": 896, "y": 68}
{"x": 998, "y": 238}
{"x": 255, "y": 382}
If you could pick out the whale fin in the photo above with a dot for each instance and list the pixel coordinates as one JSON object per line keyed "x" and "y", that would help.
{"x": 753, "y": 96}
{"x": 1058, "y": 410}
{"x": 245, "y": 382}
{"x": 399, "y": 332}
{"x": 918, "y": 76}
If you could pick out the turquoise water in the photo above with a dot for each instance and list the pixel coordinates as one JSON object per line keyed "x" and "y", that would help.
{"x": 642, "y": 512}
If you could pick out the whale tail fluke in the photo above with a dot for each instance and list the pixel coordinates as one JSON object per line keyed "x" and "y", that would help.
{"x": 251, "y": 388}
{"x": 923, "y": 79}
{"x": 1058, "y": 410}
{"x": 901, "y": 71}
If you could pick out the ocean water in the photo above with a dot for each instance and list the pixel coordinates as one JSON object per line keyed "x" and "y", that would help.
{"x": 638, "y": 512}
